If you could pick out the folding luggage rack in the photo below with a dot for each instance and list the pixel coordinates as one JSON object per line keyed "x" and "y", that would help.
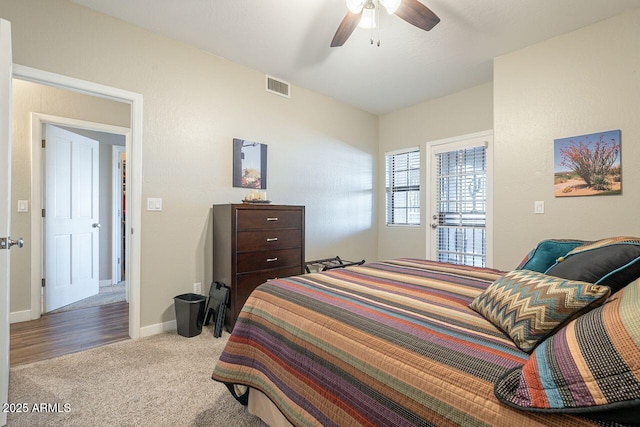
{"x": 329, "y": 264}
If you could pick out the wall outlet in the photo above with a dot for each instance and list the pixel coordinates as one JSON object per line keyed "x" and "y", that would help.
{"x": 197, "y": 288}
{"x": 538, "y": 207}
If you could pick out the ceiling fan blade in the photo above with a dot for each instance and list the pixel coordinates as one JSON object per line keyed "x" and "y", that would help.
{"x": 346, "y": 27}
{"x": 417, "y": 14}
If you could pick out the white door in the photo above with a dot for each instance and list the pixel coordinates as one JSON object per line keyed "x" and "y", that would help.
{"x": 71, "y": 218}
{"x": 5, "y": 203}
{"x": 460, "y": 204}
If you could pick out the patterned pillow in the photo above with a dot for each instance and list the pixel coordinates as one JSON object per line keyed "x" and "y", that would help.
{"x": 591, "y": 366}
{"x": 614, "y": 262}
{"x": 545, "y": 254}
{"x": 528, "y": 306}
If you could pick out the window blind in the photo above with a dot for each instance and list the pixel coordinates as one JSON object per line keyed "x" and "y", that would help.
{"x": 403, "y": 187}
{"x": 461, "y": 178}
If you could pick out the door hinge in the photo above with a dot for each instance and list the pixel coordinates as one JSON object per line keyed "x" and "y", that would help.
{"x": 43, "y": 213}
{"x": 44, "y": 143}
{"x": 43, "y": 282}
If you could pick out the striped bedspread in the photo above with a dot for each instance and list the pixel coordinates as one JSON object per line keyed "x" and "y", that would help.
{"x": 390, "y": 343}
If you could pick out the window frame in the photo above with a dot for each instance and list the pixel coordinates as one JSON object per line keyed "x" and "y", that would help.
{"x": 391, "y": 190}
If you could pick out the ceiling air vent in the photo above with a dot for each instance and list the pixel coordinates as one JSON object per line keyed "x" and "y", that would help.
{"x": 278, "y": 87}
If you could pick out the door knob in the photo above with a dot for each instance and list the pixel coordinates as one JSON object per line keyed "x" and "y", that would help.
{"x": 19, "y": 243}
{"x": 95, "y": 225}
{"x": 7, "y": 243}
{"x": 434, "y": 225}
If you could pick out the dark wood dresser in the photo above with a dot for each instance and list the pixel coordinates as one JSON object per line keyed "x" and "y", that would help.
{"x": 253, "y": 243}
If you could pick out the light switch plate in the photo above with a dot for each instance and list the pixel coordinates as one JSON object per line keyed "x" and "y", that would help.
{"x": 538, "y": 207}
{"x": 23, "y": 206}
{"x": 154, "y": 204}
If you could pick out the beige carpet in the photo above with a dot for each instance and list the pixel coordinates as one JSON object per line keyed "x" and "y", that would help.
{"x": 163, "y": 380}
{"x": 108, "y": 294}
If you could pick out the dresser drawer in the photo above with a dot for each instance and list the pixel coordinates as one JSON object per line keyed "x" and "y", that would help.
{"x": 254, "y": 261}
{"x": 268, "y": 219}
{"x": 246, "y": 283}
{"x": 249, "y": 241}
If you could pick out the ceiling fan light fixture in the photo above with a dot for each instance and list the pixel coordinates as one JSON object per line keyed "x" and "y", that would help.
{"x": 391, "y": 5}
{"x": 355, "y": 6}
{"x": 368, "y": 20}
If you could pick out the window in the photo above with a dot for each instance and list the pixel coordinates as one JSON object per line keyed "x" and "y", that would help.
{"x": 403, "y": 187}
{"x": 461, "y": 179}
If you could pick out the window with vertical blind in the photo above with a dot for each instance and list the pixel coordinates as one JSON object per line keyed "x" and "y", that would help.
{"x": 403, "y": 187}
{"x": 461, "y": 179}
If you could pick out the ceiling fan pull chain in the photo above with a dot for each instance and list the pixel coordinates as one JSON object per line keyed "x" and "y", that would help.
{"x": 378, "y": 25}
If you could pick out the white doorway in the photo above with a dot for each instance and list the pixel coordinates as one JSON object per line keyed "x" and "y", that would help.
{"x": 134, "y": 183}
{"x": 42, "y": 192}
{"x": 459, "y": 212}
{"x": 72, "y": 219}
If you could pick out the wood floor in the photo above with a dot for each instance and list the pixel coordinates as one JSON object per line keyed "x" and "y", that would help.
{"x": 62, "y": 333}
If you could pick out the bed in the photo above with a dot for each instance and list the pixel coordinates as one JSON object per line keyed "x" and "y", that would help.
{"x": 400, "y": 342}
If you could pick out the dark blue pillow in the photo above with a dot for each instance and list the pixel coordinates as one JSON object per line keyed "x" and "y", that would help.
{"x": 613, "y": 262}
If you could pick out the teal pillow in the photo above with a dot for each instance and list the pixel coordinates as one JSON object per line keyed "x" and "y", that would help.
{"x": 546, "y": 253}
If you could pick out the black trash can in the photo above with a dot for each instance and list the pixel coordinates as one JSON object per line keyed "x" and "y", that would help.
{"x": 189, "y": 314}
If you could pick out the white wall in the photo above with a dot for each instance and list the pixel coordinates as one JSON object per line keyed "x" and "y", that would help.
{"x": 583, "y": 82}
{"x": 462, "y": 113}
{"x": 322, "y": 153}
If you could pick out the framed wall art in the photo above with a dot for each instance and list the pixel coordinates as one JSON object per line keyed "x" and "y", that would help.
{"x": 249, "y": 164}
{"x": 588, "y": 165}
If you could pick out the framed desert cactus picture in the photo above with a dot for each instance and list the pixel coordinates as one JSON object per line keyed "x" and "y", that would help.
{"x": 588, "y": 165}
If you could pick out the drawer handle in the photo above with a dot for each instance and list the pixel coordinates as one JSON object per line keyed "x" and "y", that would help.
{"x": 272, "y": 239}
{"x": 272, "y": 259}
{"x": 272, "y": 218}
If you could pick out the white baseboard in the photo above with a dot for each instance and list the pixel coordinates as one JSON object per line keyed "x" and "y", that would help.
{"x": 158, "y": 328}
{"x": 19, "y": 316}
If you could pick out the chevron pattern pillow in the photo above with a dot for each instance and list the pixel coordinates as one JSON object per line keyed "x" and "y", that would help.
{"x": 529, "y": 306}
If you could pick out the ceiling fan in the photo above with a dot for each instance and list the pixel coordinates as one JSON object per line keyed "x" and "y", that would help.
{"x": 363, "y": 13}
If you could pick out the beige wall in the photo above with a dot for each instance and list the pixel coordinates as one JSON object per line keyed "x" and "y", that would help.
{"x": 328, "y": 156}
{"x": 34, "y": 98}
{"x": 583, "y": 82}
{"x": 322, "y": 153}
{"x": 462, "y": 113}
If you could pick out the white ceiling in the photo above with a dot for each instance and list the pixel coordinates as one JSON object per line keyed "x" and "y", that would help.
{"x": 289, "y": 39}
